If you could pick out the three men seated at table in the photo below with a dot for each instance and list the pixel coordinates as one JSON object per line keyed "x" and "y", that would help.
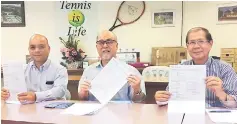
{"x": 221, "y": 81}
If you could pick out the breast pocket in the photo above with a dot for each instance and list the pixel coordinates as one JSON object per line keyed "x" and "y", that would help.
{"x": 49, "y": 84}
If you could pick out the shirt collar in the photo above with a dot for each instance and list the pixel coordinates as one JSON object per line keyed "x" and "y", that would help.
{"x": 99, "y": 64}
{"x": 208, "y": 62}
{"x": 43, "y": 67}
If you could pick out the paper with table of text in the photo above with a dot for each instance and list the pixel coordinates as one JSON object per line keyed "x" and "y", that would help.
{"x": 14, "y": 80}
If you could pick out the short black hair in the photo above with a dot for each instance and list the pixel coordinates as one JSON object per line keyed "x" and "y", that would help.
{"x": 208, "y": 34}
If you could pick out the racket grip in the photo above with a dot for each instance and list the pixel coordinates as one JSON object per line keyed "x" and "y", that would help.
{"x": 111, "y": 29}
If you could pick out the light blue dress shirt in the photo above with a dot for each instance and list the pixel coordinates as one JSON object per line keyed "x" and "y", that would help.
{"x": 124, "y": 94}
{"x": 36, "y": 80}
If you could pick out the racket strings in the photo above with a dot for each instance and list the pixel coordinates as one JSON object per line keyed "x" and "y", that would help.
{"x": 131, "y": 11}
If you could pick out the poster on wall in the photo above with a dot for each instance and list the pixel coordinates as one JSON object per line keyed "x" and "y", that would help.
{"x": 227, "y": 13}
{"x": 13, "y": 14}
{"x": 163, "y": 18}
{"x": 78, "y": 19}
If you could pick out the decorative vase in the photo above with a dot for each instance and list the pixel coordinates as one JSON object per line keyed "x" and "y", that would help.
{"x": 75, "y": 65}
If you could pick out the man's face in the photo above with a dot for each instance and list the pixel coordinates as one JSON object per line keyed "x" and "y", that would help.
{"x": 39, "y": 50}
{"x": 198, "y": 46}
{"x": 106, "y": 46}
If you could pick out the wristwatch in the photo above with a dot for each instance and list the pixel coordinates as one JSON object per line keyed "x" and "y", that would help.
{"x": 138, "y": 93}
{"x": 227, "y": 97}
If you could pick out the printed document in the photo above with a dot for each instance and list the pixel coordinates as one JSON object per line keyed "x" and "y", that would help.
{"x": 14, "y": 80}
{"x": 109, "y": 81}
{"x": 187, "y": 87}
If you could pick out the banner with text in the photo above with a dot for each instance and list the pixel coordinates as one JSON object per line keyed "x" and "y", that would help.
{"x": 78, "y": 18}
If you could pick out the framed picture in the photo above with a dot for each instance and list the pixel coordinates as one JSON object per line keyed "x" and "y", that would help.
{"x": 163, "y": 18}
{"x": 13, "y": 14}
{"x": 227, "y": 13}
{"x": 28, "y": 59}
{"x": 128, "y": 57}
{"x": 85, "y": 64}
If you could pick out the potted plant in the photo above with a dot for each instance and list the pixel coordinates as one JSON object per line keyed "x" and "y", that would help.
{"x": 72, "y": 55}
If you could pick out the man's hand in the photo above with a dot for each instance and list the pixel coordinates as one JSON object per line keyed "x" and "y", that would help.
{"x": 162, "y": 96}
{"x": 84, "y": 90}
{"x": 215, "y": 85}
{"x": 27, "y": 97}
{"x": 134, "y": 81}
{"x": 5, "y": 94}
{"x": 85, "y": 86}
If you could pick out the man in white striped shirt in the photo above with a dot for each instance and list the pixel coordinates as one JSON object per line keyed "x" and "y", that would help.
{"x": 221, "y": 81}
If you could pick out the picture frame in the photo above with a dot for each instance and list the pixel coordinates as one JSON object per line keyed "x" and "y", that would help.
{"x": 163, "y": 18}
{"x": 128, "y": 57}
{"x": 226, "y": 13}
{"x": 85, "y": 64}
{"x": 13, "y": 14}
{"x": 28, "y": 59}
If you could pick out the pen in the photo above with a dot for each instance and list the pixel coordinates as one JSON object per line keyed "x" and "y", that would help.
{"x": 219, "y": 111}
{"x": 183, "y": 118}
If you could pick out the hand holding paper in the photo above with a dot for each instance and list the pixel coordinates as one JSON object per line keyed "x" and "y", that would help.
{"x": 5, "y": 94}
{"x": 162, "y": 96}
{"x": 85, "y": 86}
{"x": 29, "y": 97}
{"x": 215, "y": 85}
{"x": 14, "y": 81}
{"x": 134, "y": 81}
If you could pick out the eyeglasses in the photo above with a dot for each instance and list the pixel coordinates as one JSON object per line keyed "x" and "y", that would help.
{"x": 194, "y": 42}
{"x": 109, "y": 42}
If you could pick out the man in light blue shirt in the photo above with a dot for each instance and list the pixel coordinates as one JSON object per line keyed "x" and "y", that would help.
{"x": 107, "y": 47}
{"x": 44, "y": 79}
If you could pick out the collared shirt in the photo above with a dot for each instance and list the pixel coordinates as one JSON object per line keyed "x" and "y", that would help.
{"x": 226, "y": 73}
{"x": 124, "y": 94}
{"x": 56, "y": 77}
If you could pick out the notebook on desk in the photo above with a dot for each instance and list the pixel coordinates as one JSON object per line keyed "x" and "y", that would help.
{"x": 59, "y": 105}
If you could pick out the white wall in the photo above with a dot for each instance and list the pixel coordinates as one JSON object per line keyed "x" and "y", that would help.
{"x": 40, "y": 18}
{"x": 140, "y": 35}
{"x": 204, "y": 14}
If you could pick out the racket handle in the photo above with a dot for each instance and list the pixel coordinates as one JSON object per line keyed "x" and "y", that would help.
{"x": 111, "y": 29}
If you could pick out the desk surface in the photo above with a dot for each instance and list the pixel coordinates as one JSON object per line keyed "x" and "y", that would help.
{"x": 111, "y": 114}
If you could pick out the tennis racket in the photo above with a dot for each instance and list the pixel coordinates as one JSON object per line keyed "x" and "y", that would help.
{"x": 128, "y": 13}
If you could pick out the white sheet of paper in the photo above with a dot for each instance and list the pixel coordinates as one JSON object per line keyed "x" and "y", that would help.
{"x": 114, "y": 117}
{"x": 189, "y": 118}
{"x": 222, "y": 117}
{"x": 14, "y": 80}
{"x": 82, "y": 109}
{"x": 13, "y": 102}
{"x": 187, "y": 86}
{"x": 109, "y": 81}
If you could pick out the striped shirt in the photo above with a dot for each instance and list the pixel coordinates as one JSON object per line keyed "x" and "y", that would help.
{"x": 226, "y": 73}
